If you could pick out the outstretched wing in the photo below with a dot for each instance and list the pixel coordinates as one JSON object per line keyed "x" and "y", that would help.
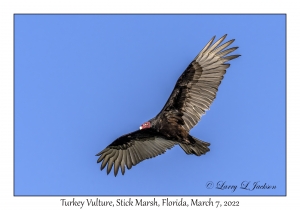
{"x": 196, "y": 88}
{"x": 132, "y": 148}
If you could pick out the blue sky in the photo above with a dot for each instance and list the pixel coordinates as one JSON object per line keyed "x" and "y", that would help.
{"x": 81, "y": 81}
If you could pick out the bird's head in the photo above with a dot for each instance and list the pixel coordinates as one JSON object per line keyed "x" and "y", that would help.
{"x": 145, "y": 125}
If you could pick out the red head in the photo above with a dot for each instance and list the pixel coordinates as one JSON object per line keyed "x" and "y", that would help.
{"x": 145, "y": 125}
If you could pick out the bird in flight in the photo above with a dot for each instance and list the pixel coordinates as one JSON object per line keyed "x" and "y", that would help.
{"x": 192, "y": 95}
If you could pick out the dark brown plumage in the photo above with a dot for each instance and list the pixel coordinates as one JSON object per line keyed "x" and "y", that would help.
{"x": 192, "y": 95}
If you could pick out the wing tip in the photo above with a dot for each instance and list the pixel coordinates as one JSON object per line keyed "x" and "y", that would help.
{"x": 224, "y": 36}
{"x": 231, "y": 57}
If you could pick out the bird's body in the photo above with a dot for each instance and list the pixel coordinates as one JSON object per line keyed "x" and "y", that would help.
{"x": 192, "y": 95}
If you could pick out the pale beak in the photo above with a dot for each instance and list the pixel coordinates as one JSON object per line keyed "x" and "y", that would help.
{"x": 141, "y": 127}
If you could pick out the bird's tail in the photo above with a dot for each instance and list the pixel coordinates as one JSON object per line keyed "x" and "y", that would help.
{"x": 196, "y": 147}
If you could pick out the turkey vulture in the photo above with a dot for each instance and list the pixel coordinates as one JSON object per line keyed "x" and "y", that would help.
{"x": 193, "y": 93}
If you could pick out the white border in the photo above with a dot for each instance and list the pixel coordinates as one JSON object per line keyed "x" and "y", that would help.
{"x": 9, "y": 8}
